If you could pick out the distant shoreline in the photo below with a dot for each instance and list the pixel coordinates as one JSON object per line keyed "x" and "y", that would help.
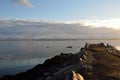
{"x": 52, "y": 39}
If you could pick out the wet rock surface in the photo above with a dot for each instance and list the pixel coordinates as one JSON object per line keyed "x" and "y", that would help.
{"x": 92, "y": 62}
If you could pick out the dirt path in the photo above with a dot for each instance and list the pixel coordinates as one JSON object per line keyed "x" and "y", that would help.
{"x": 106, "y": 66}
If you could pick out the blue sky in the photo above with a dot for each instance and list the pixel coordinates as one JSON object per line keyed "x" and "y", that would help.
{"x": 59, "y": 19}
{"x": 60, "y": 10}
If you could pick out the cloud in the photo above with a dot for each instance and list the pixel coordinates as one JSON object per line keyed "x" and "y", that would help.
{"x": 23, "y": 2}
{"x": 37, "y": 29}
{"x": 113, "y": 23}
{"x": 32, "y": 29}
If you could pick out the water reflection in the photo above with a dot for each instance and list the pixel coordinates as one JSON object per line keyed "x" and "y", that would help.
{"x": 17, "y": 56}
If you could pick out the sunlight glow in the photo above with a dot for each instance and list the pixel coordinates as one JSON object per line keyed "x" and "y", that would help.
{"x": 94, "y": 22}
{"x": 118, "y": 47}
{"x": 108, "y": 23}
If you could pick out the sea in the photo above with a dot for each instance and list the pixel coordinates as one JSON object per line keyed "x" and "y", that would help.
{"x": 20, "y": 56}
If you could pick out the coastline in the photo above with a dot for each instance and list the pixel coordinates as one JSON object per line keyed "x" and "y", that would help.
{"x": 82, "y": 63}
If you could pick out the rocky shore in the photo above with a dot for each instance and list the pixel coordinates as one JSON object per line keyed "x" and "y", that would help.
{"x": 92, "y": 62}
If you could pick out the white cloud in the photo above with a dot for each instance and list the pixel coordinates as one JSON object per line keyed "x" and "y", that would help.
{"x": 109, "y": 23}
{"x": 23, "y": 28}
{"x": 113, "y": 23}
{"x": 23, "y": 2}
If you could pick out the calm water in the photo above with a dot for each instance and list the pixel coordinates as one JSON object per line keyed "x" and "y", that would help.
{"x": 18, "y": 56}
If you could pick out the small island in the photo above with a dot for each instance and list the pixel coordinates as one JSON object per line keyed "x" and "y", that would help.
{"x": 93, "y": 62}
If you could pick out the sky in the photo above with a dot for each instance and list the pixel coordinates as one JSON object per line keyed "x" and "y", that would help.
{"x": 91, "y": 13}
{"x": 61, "y": 10}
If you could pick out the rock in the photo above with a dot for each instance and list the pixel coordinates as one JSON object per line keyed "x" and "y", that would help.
{"x": 76, "y": 76}
{"x": 47, "y": 47}
{"x": 49, "y": 78}
{"x": 68, "y": 66}
{"x": 69, "y": 46}
{"x": 87, "y": 46}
